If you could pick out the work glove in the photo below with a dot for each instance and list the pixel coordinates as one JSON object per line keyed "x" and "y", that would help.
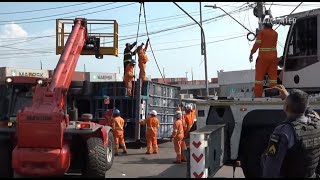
{"x": 250, "y": 58}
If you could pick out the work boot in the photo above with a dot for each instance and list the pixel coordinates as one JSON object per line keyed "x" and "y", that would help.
{"x": 148, "y": 153}
{"x": 176, "y": 162}
{"x": 124, "y": 152}
{"x": 116, "y": 154}
{"x": 155, "y": 152}
{"x": 183, "y": 160}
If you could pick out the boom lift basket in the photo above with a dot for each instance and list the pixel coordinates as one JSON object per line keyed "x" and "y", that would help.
{"x": 104, "y": 30}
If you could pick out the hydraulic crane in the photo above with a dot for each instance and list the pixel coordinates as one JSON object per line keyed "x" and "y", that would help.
{"x": 48, "y": 143}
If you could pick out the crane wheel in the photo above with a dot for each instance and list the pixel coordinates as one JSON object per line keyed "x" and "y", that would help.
{"x": 5, "y": 159}
{"x": 99, "y": 157}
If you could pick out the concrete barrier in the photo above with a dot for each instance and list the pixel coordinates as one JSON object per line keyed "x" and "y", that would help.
{"x": 206, "y": 151}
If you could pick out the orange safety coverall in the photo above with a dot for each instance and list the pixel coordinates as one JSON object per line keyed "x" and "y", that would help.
{"x": 188, "y": 122}
{"x": 266, "y": 62}
{"x": 152, "y": 123}
{"x": 128, "y": 78}
{"x": 118, "y": 126}
{"x": 177, "y": 136}
{"x": 143, "y": 59}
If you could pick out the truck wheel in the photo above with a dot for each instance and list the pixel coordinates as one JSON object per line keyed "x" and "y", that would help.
{"x": 99, "y": 157}
{"x": 6, "y": 170}
{"x": 252, "y": 146}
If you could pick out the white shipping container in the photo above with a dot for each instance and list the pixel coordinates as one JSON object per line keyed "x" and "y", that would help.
{"x": 9, "y": 71}
{"x": 237, "y": 90}
{"x": 236, "y": 77}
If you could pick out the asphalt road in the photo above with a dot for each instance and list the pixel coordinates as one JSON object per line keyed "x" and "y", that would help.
{"x": 136, "y": 164}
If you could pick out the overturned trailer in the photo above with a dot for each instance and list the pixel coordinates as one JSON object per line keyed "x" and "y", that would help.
{"x": 148, "y": 96}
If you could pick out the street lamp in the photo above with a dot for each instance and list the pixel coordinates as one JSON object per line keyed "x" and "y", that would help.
{"x": 203, "y": 47}
{"x": 250, "y": 32}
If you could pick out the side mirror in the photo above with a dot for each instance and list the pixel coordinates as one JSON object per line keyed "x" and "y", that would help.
{"x": 281, "y": 62}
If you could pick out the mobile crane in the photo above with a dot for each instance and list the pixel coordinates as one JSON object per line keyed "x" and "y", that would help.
{"x": 45, "y": 141}
{"x": 248, "y": 122}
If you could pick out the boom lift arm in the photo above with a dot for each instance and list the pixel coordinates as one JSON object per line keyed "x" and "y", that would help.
{"x": 42, "y": 148}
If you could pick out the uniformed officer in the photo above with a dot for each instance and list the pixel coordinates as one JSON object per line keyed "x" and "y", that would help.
{"x": 294, "y": 145}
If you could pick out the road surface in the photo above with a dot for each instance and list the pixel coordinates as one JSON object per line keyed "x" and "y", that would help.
{"x": 137, "y": 164}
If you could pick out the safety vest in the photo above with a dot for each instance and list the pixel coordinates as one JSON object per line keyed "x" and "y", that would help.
{"x": 301, "y": 160}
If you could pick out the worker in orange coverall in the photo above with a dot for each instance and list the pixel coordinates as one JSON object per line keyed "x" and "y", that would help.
{"x": 118, "y": 131}
{"x": 188, "y": 118}
{"x": 143, "y": 59}
{"x": 267, "y": 59}
{"x": 177, "y": 136}
{"x": 129, "y": 77}
{"x": 152, "y": 123}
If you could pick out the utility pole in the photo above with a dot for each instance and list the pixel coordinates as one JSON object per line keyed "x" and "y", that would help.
{"x": 191, "y": 75}
{"x": 164, "y": 76}
{"x": 187, "y": 75}
{"x": 41, "y": 64}
{"x": 203, "y": 47}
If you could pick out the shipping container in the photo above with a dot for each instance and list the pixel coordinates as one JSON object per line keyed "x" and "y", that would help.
{"x": 153, "y": 96}
{"x": 9, "y": 71}
{"x": 77, "y": 75}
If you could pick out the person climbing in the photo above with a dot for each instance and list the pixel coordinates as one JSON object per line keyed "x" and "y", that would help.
{"x": 118, "y": 131}
{"x": 127, "y": 54}
{"x": 143, "y": 59}
{"x": 129, "y": 76}
{"x": 267, "y": 60}
{"x": 152, "y": 123}
{"x": 177, "y": 136}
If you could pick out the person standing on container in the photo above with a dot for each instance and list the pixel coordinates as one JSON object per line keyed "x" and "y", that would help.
{"x": 177, "y": 136}
{"x": 152, "y": 123}
{"x": 118, "y": 131}
{"x": 143, "y": 59}
{"x": 129, "y": 76}
{"x": 127, "y": 54}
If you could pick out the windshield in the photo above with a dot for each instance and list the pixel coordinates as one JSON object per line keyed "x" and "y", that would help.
{"x": 22, "y": 97}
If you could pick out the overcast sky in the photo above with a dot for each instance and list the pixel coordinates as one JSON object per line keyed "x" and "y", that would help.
{"x": 28, "y": 37}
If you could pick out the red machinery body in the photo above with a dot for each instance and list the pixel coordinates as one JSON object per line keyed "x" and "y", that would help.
{"x": 41, "y": 148}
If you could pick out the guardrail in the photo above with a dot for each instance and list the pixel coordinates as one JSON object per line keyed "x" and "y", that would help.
{"x": 206, "y": 151}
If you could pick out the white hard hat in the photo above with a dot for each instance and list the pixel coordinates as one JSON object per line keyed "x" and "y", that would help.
{"x": 189, "y": 106}
{"x": 153, "y": 112}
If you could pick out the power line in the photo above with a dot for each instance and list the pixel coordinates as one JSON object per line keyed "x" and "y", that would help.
{"x": 28, "y": 22}
{"x": 47, "y": 9}
{"x": 80, "y": 10}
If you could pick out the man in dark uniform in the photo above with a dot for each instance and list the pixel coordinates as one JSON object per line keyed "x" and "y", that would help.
{"x": 294, "y": 145}
{"x": 127, "y": 55}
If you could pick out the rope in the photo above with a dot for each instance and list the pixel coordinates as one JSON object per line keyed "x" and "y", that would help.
{"x": 154, "y": 57}
{"x": 135, "y": 56}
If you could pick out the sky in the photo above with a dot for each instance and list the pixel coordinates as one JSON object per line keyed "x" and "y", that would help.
{"x": 27, "y": 35}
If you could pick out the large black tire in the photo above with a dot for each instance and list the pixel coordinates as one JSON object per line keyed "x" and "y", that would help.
{"x": 253, "y": 144}
{"x": 99, "y": 157}
{"x": 6, "y": 170}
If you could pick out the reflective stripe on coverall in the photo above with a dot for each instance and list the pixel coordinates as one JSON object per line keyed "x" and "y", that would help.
{"x": 266, "y": 62}
{"x": 152, "y": 123}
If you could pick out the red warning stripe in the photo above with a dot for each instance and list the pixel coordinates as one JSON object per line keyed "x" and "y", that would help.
{"x": 196, "y": 175}
{"x": 197, "y": 145}
{"x": 198, "y": 159}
